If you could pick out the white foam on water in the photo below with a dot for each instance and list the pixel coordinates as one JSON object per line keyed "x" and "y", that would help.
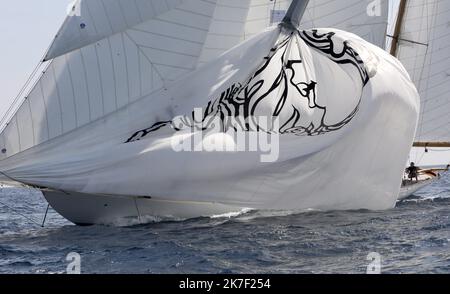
{"x": 232, "y": 214}
{"x": 274, "y": 213}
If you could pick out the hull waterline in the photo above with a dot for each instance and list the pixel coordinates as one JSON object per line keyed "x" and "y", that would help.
{"x": 87, "y": 209}
{"x": 409, "y": 190}
{"x": 425, "y": 178}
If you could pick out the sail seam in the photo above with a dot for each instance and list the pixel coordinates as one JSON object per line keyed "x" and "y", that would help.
{"x": 113, "y": 66}
{"x": 148, "y": 59}
{"x": 45, "y": 106}
{"x": 107, "y": 15}
{"x": 126, "y": 66}
{"x": 100, "y": 74}
{"x": 32, "y": 122}
{"x": 59, "y": 97}
{"x": 18, "y": 133}
{"x": 69, "y": 70}
{"x": 87, "y": 83}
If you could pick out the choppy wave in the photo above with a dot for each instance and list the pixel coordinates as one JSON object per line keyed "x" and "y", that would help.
{"x": 412, "y": 238}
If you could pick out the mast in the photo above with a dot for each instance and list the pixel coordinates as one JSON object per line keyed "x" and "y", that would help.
{"x": 295, "y": 13}
{"x": 398, "y": 27}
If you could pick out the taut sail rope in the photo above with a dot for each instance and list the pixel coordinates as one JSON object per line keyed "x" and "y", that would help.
{"x": 15, "y": 105}
{"x": 9, "y": 113}
{"x": 23, "y": 215}
{"x": 13, "y": 210}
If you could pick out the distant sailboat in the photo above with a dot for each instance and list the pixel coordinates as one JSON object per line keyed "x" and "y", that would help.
{"x": 96, "y": 131}
{"x": 422, "y": 43}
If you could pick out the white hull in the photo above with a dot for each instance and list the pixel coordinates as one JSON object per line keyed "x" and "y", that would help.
{"x": 409, "y": 190}
{"x": 426, "y": 178}
{"x": 86, "y": 209}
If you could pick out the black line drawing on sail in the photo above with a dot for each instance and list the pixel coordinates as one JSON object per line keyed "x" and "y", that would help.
{"x": 241, "y": 101}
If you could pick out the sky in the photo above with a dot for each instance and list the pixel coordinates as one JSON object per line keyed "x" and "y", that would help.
{"x": 27, "y": 28}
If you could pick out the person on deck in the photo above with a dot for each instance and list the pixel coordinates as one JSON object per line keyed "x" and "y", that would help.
{"x": 413, "y": 172}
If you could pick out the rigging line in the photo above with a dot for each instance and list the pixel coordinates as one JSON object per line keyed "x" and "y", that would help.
{"x": 10, "y": 178}
{"x": 154, "y": 68}
{"x": 421, "y": 158}
{"x": 7, "y": 115}
{"x": 20, "y": 214}
{"x": 405, "y": 40}
{"x": 45, "y": 215}
{"x": 368, "y": 24}
{"x": 30, "y": 186}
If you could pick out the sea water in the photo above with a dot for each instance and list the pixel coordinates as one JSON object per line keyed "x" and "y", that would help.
{"x": 412, "y": 238}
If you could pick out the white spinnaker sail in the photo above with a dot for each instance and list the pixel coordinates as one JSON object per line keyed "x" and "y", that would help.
{"x": 338, "y": 97}
{"x": 351, "y": 16}
{"x": 424, "y": 50}
{"x": 98, "y": 79}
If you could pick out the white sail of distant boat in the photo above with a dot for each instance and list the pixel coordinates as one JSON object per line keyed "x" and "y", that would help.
{"x": 96, "y": 131}
{"x": 422, "y": 43}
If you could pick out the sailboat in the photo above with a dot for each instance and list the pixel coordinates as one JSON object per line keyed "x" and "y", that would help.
{"x": 122, "y": 83}
{"x": 421, "y": 42}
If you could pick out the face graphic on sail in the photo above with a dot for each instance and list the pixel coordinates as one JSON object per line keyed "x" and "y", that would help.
{"x": 285, "y": 87}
